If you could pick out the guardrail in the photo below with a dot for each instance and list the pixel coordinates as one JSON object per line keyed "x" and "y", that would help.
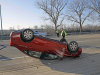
{"x": 76, "y": 33}
{"x": 4, "y": 37}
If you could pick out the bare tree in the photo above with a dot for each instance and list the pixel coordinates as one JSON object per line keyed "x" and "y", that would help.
{"x": 36, "y": 27}
{"x": 12, "y": 28}
{"x": 18, "y": 27}
{"x": 78, "y": 12}
{"x": 42, "y": 28}
{"x": 95, "y": 5}
{"x": 53, "y": 8}
{"x": 49, "y": 28}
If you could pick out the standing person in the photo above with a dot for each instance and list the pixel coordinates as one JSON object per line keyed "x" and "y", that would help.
{"x": 63, "y": 34}
{"x": 57, "y": 33}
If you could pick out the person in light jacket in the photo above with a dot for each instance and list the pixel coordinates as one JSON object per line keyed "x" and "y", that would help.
{"x": 63, "y": 34}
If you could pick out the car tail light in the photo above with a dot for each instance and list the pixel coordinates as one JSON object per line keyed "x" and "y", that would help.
{"x": 11, "y": 44}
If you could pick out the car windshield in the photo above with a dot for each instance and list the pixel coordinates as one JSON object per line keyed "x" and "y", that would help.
{"x": 40, "y": 55}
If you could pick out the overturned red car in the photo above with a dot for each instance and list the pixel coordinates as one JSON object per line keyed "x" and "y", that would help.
{"x": 42, "y": 47}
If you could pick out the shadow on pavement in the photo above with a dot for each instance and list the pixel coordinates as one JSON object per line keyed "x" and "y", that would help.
{"x": 1, "y": 56}
{"x": 86, "y": 64}
{"x": 4, "y": 58}
{"x": 2, "y": 46}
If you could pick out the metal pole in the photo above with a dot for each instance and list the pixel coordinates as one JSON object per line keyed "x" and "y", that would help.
{"x": 99, "y": 13}
{"x": 1, "y": 23}
{"x": 1, "y": 28}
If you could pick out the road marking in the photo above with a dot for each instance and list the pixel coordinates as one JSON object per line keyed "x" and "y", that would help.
{"x": 90, "y": 47}
{"x": 92, "y": 36}
{"x": 80, "y": 41}
{"x": 83, "y": 41}
{"x": 14, "y": 58}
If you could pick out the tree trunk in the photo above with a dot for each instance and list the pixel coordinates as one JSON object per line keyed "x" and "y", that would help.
{"x": 80, "y": 28}
{"x": 80, "y": 25}
{"x": 55, "y": 23}
{"x": 55, "y": 28}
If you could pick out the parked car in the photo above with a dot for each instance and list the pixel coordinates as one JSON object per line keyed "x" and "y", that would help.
{"x": 36, "y": 32}
{"x": 42, "y": 34}
{"x": 42, "y": 47}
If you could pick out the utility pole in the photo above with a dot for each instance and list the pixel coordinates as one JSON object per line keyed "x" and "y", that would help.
{"x": 99, "y": 13}
{"x": 1, "y": 23}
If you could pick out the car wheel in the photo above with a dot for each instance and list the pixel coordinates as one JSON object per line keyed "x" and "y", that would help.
{"x": 73, "y": 47}
{"x": 27, "y": 35}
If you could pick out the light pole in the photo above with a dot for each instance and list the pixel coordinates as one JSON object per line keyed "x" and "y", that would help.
{"x": 99, "y": 13}
{"x": 1, "y": 23}
{"x": 1, "y": 28}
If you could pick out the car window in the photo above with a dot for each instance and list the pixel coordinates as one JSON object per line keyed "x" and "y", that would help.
{"x": 35, "y": 54}
{"x": 49, "y": 56}
{"x": 40, "y": 55}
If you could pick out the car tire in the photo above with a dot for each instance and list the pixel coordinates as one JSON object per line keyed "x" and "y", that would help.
{"x": 73, "y": 47}
{"x": 27, "y": 35}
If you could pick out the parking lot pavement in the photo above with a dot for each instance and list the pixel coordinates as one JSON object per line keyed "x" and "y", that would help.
{"x": 13, "y": 62}
{"x": 31, "y": 66}
{"x": 86, "y": 65}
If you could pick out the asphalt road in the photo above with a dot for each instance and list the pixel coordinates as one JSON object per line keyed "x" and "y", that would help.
{"x": 12, "y": 61}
